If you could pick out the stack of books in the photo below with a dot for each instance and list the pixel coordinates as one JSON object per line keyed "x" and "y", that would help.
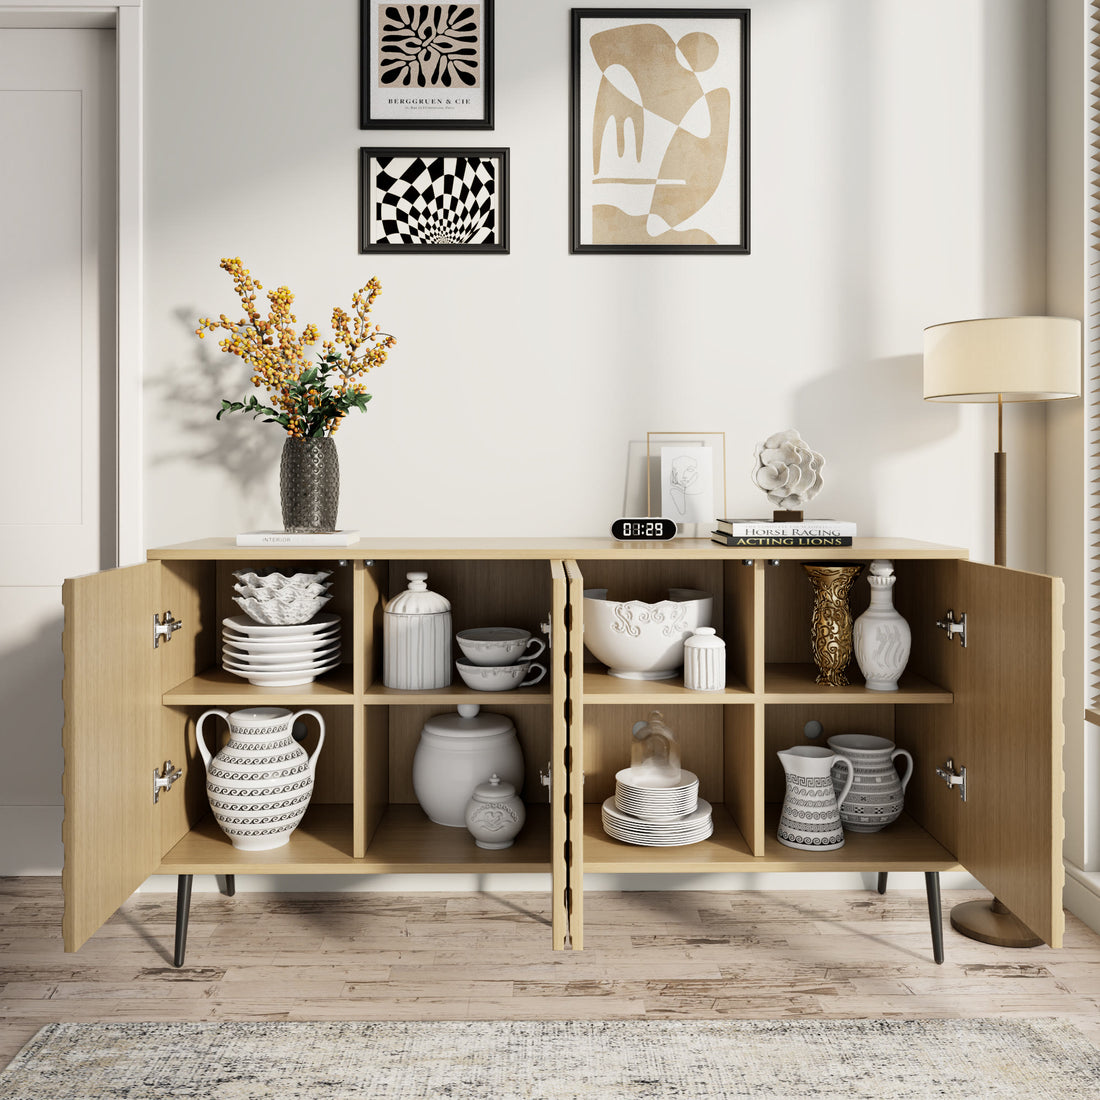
{"x": 764, "y": 532}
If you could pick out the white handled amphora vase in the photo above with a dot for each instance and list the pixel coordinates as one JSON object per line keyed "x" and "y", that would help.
{"x": 811, "y": 816}
{"x": 876, "y": 793}
{"x": 260, "y": 783}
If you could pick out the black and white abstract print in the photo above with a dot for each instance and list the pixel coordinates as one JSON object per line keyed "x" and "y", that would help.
{"x": 438, "y": 202}
{"x": 430, "y": 45}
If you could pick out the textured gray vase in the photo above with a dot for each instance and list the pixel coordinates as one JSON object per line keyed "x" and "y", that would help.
{"x": 309, "y": 484}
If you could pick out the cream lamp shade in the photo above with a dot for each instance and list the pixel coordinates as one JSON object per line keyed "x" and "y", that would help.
{"x": 1018, "y": 358}
{"x": 1002, "y": 359}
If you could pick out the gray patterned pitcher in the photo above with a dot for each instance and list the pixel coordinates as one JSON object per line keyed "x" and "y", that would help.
{"x": 811, "y": 818}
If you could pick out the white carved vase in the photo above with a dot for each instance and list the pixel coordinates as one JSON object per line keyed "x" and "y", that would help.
{"x": 881, "y": 637}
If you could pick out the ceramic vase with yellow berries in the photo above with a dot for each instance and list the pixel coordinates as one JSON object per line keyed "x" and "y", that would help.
{"x": 308, "y": 401}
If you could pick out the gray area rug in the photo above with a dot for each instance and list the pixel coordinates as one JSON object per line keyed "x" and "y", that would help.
{"x": 557, "y": 1060}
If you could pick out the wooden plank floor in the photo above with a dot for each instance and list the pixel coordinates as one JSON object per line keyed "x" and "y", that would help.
{"x": 697, "y": 955}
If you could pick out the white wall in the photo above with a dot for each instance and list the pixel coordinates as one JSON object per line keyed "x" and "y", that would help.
{"x": 897, "y": 181}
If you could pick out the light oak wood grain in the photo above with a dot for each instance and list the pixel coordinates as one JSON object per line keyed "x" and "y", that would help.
{"x": 685, "y": 955}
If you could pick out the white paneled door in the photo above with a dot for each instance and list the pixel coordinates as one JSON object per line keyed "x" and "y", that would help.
{"x": 57, "y": 395}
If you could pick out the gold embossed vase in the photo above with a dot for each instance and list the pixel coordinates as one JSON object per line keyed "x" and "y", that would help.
{"x": 831, "y": 620}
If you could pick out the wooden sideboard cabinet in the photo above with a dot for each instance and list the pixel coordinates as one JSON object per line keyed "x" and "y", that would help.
{"x": 133, "y": 693}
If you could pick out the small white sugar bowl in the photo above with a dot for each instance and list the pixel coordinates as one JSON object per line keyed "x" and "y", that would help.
{"x": 495, "y": 813}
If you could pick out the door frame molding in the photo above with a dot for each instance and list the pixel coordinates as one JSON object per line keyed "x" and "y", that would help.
{"x": 125, "y": 18}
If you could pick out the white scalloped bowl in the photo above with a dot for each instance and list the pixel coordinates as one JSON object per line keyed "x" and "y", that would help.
{"x": 643, "y": 641}
{"x": 278, "y": 580}
{"x": 285, "y": 609}
{"x": 254, "y": 592}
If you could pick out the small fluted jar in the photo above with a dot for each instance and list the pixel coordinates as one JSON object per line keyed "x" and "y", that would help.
{"x": 416, "y": 638}
{"x": 704, "y": 660}
{"x": 495, "y": 814}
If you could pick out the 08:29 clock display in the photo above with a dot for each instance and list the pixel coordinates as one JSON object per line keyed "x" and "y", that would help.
{"x": 630, "y": 528}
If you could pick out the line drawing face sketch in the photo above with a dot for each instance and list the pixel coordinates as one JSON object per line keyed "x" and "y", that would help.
{"x": 687, "y": 484}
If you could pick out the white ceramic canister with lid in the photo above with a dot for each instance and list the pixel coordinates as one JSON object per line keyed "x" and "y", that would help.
{"x": 416, "y": 638}
{"x": 704, "y": 660}
{"x": 456, "y": 752}
{"x": 495, "y": 814}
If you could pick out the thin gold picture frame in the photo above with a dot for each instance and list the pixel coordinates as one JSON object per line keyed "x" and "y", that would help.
{"x": 681, "y": 437}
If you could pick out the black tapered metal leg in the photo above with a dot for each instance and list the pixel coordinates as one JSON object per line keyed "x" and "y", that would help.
{"x": 932, "y": 887}
{"x": 882, "y": 881}
{"x": 229, "y": 889}
{"x": 183, "y": 908}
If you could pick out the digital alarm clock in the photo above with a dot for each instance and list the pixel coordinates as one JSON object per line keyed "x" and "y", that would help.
{"x": 643, "y": 529}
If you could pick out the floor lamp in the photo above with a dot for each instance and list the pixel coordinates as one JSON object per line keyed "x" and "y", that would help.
{"x": 1001, "y": 359}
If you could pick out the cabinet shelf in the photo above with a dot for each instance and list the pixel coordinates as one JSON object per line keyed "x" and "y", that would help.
{"x": 601, "y": 687}
{"x": 902, "y": 846}
{"x": 405, "y": 841}
{"x": 794, "y": 683}
{"x": 216, "y": 687}
{"x": 379, "y": 695}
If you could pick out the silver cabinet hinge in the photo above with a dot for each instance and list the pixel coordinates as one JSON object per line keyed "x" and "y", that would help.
{"x": 544, "y": 779}
{"x": 953, "y": 778}
{"x": 164, "y": 628}
{"x": 954, "y": 626}
{"x": 163, "y": 780}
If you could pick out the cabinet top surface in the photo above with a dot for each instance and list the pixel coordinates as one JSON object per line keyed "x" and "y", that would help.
{"x": 548, "y": 549}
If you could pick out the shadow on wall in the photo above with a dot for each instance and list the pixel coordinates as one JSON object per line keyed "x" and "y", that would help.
{"x": 190, "y": 396}
{"x": 865, "y": 413}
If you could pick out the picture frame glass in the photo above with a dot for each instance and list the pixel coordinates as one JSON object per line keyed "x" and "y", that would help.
{"x": 660, "y": 141}
{"x": 426, "y": 65}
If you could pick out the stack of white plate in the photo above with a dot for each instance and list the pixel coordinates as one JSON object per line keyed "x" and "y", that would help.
{"x": 656, "y": 810}
{"x": 280, "y": 656}
{"x": 688, "y": 829}
{"x": 647, "y": 794}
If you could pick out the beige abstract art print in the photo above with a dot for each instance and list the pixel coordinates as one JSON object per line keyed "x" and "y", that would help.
{"x": 660, "y": 130}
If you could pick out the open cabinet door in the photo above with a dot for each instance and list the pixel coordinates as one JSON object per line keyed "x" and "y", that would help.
{"x": 111, "y": 737}
{"x": 1010, "y": 722}
{"x": 559, "y": 827}
{"x": 575, "y": 802}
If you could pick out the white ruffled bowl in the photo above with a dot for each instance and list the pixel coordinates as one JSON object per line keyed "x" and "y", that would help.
{"x": 278, "y": 581}
{"x": 253, "y": 592}
{"x": 643, "y": 641}
{"x": 284, "y": 609}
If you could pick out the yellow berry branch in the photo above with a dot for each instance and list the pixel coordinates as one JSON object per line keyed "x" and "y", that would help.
{"x": 308, "y": 401}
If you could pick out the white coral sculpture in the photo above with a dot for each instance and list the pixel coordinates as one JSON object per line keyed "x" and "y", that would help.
{"x": 787, "y": 469}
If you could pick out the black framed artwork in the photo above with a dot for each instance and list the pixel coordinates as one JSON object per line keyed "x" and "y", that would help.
{"x": 425, "y": 66}
{"x": 433, "y": 200}
{"x": 660, "y": 130}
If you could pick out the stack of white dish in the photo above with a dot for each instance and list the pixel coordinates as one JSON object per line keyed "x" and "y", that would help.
{"x": 281, "y": 601}
{"x": 280, "y": 655}
{"x": 655, "y": 810}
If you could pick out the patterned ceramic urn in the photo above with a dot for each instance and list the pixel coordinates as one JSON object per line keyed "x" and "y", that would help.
{"x": 260, "y": 783}
{"x": 810, "y": 819}
{"x": 876, "y": 792}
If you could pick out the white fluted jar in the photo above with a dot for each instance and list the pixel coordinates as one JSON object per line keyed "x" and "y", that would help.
{"x": 704, "y": 660}
{"x": 881, "y": 637}
{"x": 416, "y": 638}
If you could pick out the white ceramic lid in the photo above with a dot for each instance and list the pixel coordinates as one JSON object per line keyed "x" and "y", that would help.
{"x": 417, "y": 600}
{"x": 495, "y": 790}
{"x": 468, "y": 722}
